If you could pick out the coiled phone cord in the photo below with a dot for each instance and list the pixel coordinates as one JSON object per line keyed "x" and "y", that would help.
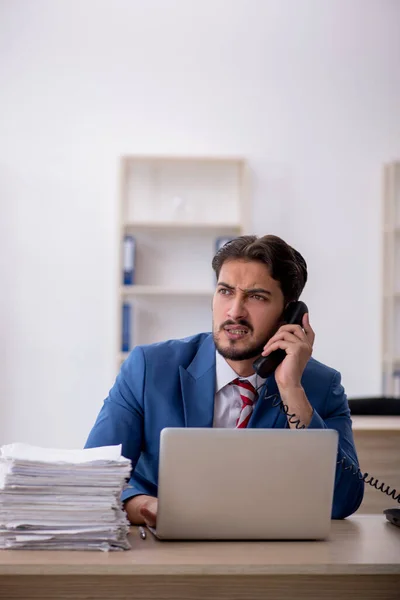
{"x": 345, "y": 462}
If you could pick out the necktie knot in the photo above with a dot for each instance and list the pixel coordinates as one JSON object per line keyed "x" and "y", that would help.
{"x": 248, "y": 396}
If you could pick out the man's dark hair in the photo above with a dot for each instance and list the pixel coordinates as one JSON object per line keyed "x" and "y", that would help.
{"x": 284, "y": 263}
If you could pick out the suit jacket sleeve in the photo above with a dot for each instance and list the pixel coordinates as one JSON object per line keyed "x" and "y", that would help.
{"x": 349, "y": 488}
{"x": 120, "y": 420}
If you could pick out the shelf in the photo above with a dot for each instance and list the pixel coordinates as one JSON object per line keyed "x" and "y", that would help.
{"x": 180, "y": 159}
{"x": 395, "y": 230}
{"x": 155, "y": 290}
{"x": 182, "y": 226}
{"x": 375, "y": 423}
{"x": 178, "y": 209}
{"x": 390, "y": 316}
{"x": 391, "y": 360}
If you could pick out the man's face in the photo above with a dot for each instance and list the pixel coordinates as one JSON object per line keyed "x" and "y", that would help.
{"x": 247, "y": 306}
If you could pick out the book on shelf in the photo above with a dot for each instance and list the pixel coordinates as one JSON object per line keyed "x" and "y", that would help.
{"x": 126, "y": 327}
{"x": 129, "y": 260}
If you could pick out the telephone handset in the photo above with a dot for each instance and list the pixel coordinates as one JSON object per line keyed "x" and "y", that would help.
{"x": 293, "y": 315}
{"x": 266, "y": 365}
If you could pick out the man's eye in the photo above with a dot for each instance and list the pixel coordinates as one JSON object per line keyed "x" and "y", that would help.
{"x": 258, "y": 297}
{"x": 224, "y": 291}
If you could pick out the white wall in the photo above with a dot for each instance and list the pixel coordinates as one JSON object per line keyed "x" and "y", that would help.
{"x": 307, "y": 90}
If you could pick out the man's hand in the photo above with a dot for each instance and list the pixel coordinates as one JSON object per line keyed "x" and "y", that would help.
{"x": 297, "y": 342}
{"x": 142, "y": 510}
{"x": 149, "y": 511}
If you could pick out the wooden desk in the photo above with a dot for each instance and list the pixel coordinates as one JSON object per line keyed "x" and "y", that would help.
{"x": 361, "y": 559}
{"x": 377, "y": 441}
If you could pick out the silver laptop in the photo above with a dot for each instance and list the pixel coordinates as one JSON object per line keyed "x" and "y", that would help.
{"x": 245, "y": 484}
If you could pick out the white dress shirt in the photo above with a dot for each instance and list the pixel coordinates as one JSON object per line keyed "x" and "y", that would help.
{"x": 227, "y": 402}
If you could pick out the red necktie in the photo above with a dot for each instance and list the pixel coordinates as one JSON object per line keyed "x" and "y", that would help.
{"x": 248, "y": 395}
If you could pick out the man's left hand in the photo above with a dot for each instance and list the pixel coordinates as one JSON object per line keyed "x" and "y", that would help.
{"x": 297, "y": 341}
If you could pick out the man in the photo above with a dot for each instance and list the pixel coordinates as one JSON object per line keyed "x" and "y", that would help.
{"x": 208, "y": 380}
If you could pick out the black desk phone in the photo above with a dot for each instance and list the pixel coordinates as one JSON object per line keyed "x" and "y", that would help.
{"x": 266, "y": 365}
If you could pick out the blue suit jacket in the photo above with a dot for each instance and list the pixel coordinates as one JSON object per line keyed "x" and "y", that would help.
{"x": 172, "y": 384}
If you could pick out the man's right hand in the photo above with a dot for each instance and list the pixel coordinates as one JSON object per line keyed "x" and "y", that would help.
{"x": 142, "y": 510}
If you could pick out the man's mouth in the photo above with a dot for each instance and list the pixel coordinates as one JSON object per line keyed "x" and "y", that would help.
{"x": 236, "y": 332}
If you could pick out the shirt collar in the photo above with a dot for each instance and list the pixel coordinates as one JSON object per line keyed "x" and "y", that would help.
{"x": 225, "y": 374}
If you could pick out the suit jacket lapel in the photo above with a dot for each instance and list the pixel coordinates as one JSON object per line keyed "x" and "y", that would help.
{"x": 198, "y": 386}
{"x": 266, "y": 414}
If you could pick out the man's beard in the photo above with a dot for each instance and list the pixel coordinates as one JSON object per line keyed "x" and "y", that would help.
{"x": 236, "y": 354}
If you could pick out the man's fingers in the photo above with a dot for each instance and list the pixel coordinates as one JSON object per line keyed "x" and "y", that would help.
{"x": 279, "y": 345}
{"x": 295, "y": 330}
{"x": 149, "y": 516}
{"x": 281, "y": 335}
{"x": 149, "y": 512}
{"x": 303, "y": 332}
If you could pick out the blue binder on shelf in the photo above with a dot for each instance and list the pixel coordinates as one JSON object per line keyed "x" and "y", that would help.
{"x": 126, "y": 327}
{"x": 129, "y": 260}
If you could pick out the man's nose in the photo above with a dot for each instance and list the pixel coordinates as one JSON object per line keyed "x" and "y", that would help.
{"x": 237, "y": 309}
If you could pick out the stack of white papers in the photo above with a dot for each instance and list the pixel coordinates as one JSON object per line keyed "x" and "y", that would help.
{"x": 62, "y": 499}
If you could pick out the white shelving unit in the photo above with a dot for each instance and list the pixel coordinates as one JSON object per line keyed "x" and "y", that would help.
{"x": 391, "y": 281}
{"x": 176, "y": 208}
{"x": 158, "y": 290}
